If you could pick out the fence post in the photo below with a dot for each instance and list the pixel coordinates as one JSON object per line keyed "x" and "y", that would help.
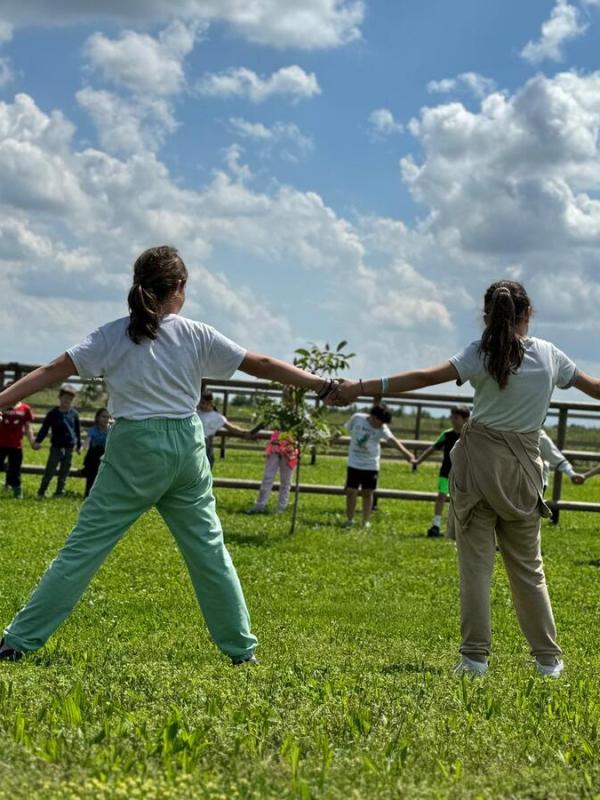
{"x": 418, "y": 426}
{"x": 561, "y": 440}
{"x": 224, "y": 412}
{"x": 313, "y": 449}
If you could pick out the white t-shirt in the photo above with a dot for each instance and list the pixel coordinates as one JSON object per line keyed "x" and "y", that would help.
{"x": 160, "y": 377}
{"x": 211, "y": 421}
{"x": 364, "y": 451}
{"x": 523, "y": 404}
{"x": 553, "y": 458}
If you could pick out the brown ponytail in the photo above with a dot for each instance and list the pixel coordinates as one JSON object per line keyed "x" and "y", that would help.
{"x": 505, "y": 305}
{"x": 157, "y": 273}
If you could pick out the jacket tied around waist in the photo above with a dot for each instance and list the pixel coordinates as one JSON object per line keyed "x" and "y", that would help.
{"x": 502, "y": 468}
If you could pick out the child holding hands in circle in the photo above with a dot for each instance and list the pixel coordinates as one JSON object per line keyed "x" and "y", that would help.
{"x": 153, "y": 362}
{"x": 496, "y": 482}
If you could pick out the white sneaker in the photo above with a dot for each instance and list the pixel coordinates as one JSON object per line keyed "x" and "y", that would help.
{"x": 366, "y": 525}
{"x": 466, "y": 666}
{"x": 550, "y": 670}
{"x": 250, "y": 661}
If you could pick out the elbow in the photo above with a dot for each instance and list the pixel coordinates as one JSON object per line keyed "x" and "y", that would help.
{"x": 257, "y": 365}
{"x": 263, "y": 366}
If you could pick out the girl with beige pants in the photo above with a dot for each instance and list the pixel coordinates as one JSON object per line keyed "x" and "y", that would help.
{"x": 496, "y": 486}
{"x": 496, "y": 479}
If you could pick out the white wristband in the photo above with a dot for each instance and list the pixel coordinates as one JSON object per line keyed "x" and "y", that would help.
{"x": 385, "y": 385}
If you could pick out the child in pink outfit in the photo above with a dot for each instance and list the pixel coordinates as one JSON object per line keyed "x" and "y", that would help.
{"x": 282, "y": 455}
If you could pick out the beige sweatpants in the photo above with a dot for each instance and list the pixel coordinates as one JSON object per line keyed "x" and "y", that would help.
{"x": 520, "y": 545}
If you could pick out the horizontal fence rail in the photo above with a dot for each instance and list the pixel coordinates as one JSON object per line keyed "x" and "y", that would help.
{"x": 324, "y": 489}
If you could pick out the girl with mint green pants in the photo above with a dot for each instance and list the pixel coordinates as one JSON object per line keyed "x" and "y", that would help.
{"x": 153, "y": 363}
{"x": 150, "y": 462}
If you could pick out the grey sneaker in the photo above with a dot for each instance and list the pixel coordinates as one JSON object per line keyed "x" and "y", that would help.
{"x": 347, "y": 523}
{"x": 8, "y": 654}
{"x": 550, "y": 670}
{"x": 467, "y": 666}
{"x": 257, "y": 510}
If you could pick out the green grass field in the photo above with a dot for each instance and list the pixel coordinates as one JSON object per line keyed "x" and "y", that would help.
{"x": 354, "y": 697}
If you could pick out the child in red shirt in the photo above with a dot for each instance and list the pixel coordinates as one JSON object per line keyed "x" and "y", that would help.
{"x": 15, "y": 422}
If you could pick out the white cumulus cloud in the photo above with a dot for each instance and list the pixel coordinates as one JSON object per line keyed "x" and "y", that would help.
{"x": 74, "y": 219}
{"x": 513, "y": 189}
{"x": 290, "y": 82}
{"x": 278, "y": 23}
{"x": 6, "y": 70}
{"x": 142, "y": 63}
{"x": 6, "y": 32}
{"x": 284, "y": 139}
{"x": 563, "y": 25}
{"x": 382, "y": 124}
{"x": 127, "y": 126}
{"x": 473, "y": 82}
{"x": 510, "y": 188}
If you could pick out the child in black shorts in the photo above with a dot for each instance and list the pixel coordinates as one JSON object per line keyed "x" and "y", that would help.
{"x": 367, "y": 431}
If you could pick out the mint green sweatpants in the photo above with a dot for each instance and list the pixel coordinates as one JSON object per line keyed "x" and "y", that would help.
{"x": 152, "y": 462}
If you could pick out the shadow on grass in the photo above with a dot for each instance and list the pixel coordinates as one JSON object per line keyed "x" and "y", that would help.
{"x": 593, "y": 562}
{"x": 417, "y": 668}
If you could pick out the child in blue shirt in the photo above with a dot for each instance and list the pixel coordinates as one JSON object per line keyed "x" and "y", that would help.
{"x": 62, "y": 422}
{"x": 95, "y": 445}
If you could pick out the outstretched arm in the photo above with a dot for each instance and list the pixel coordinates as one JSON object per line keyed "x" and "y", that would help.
{"x": 399, "y": 446}
{"x": 590, "y": 473}
{"x": 588, "y": 385}
{"x": 425, "y": 454}
{"x": 42, "y": 377}
{"x": 236, "y": 430}
{"x": 348, "y": 391}
{"x": 29, "y": 433}
{"x": 261, "y": 366}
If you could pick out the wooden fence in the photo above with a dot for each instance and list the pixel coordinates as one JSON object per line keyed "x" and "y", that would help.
{"x": 561, "y": 411}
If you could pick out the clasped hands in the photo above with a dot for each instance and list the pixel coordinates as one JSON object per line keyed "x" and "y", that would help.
{"x": 342, "y": 392}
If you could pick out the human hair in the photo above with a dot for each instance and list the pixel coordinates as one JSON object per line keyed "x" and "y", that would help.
{"x": 207, "y": 397}
{"x": 157, "y": 273}
{"x": 381, "y": 412}
{"x": 505, "y": 305}
{"x": 97, "y": 414}
{"x": 461, "y": 411}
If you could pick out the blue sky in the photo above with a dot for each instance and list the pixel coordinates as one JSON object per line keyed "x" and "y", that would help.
{"x": 317, "y": 182}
